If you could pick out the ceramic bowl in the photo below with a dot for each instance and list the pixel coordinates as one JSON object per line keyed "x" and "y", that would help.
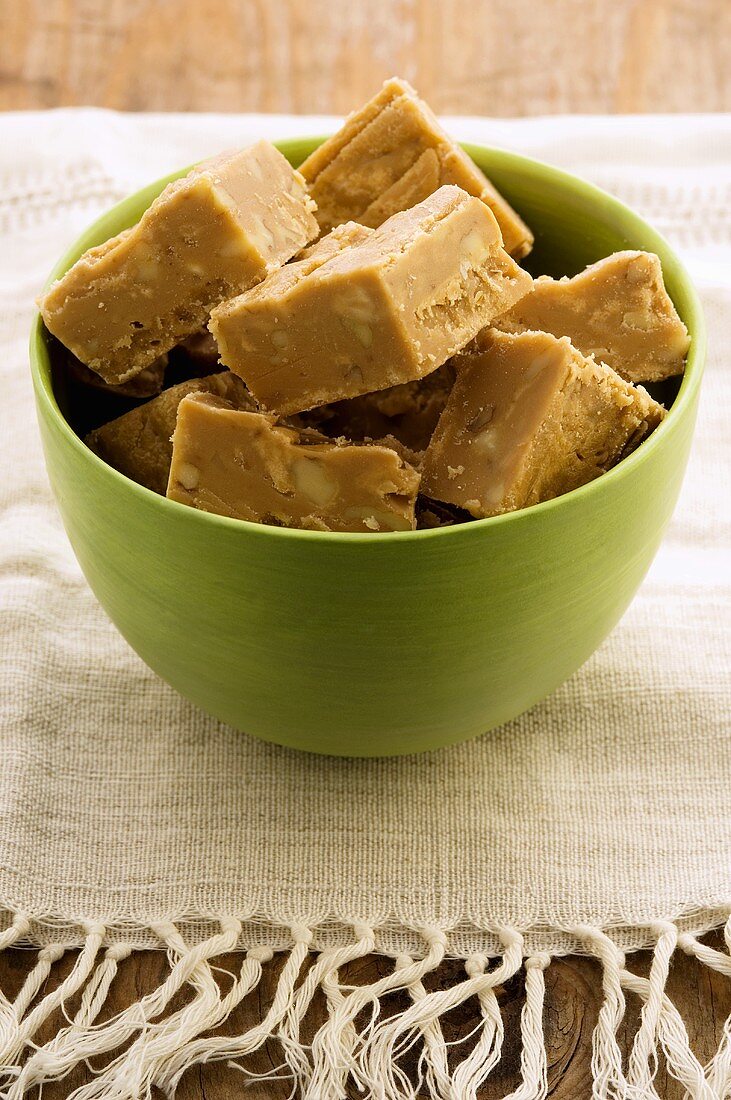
{"x": 375, "y": 644}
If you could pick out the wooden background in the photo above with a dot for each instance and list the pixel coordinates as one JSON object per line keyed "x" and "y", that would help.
{"x": 500, "y": 57}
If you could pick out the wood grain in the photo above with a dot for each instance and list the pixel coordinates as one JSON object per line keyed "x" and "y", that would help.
{"x": 499, "y": 57}
{"x": 573, "y": 998}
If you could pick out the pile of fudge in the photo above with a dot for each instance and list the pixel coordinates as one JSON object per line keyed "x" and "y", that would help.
{"x": 366, "y": 353}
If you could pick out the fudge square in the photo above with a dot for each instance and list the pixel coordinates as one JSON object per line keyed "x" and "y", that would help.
{"x": 206, "y": 237}
{"x": 246, "y": 466}
{"x": 530, "y": 418}
{"x": 617, "y": 309}
{"x": 391, "y": 309}
{"x": 138, "y": 443}
{"x": 391, "y": 154}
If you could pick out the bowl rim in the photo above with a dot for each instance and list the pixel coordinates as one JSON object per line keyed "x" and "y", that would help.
{"x": 293, "y": 149}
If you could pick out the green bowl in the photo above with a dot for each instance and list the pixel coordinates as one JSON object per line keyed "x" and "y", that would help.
{"x": 379, "y": 644}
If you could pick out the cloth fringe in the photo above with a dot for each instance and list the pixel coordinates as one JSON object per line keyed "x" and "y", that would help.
{"x": 362, "y": 1040}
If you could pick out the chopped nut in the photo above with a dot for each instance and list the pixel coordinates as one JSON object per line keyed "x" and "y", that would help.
{"x": 312, "y": 480}
{"x": 639, "y": 319}
{"x": 187, "y": 475}
{"x": 279, "y": 338}
{"x": 473, "y": 245}
{"x": 363, "y": 332}
{"x": 390, "y": 521}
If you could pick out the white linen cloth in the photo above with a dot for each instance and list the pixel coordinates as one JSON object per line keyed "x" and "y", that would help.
{"x": 609, "y": 804}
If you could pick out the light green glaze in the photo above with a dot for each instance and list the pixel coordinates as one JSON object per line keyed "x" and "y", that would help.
{"x": 380, "y": 644}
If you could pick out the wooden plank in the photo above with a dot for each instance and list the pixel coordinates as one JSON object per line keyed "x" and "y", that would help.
{"x": 499, "y": 57}
{"x": 573, "y": 998}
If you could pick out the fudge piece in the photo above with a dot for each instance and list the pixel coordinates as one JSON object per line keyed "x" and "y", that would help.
{"x": 529, "y": 419}
{"x": 242, "y": 464}
{"x": 208, "y": 236}
{"x": 147, "y": 383}
{"x": 391, "y": 154}
{"x": 409, "y": 412}
{"x": 388, "y": 310}
{"x": 617, "y": 309}
{"x": 138, "y": 443}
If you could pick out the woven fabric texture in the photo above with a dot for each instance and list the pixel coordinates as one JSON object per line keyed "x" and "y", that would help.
{"x": 608, "y": 804}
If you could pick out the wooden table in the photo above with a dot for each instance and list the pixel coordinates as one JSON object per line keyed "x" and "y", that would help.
{"x": 573, "y": 998}
{"x": 500, "y": 57}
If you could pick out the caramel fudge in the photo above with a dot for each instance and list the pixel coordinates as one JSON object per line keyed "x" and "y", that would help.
{"x": 138, "y": 443}
{"x": 392, "y": 154}
{"x": 388, "y": 310}
{"x": 206, "y": 237}
{"x": 246, "y": 466}
{"x": 391, "y": 366}
{"x": 617, "y": 310}
{"x": 528, "y": 419}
